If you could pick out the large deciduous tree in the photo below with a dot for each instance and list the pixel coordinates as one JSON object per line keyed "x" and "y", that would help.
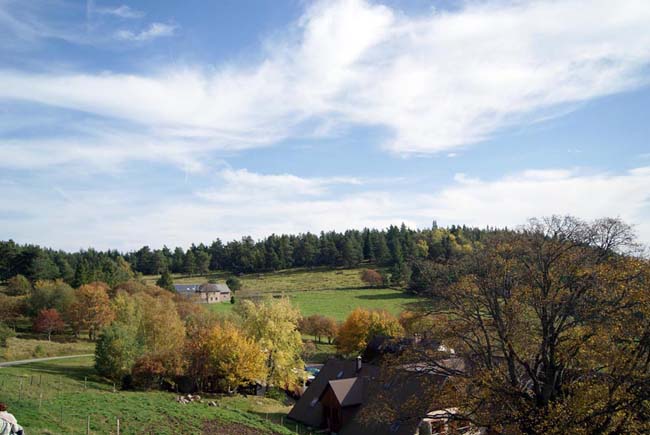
{"x": 234, "y": 358}
{"x": 274, "y": 325}
{"x": 555, "y": 320}
{"x": 91, "y": 309}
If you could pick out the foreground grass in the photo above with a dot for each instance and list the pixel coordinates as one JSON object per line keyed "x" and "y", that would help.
{"x": 59, "y": 397}
{"x": 22, "y": 348}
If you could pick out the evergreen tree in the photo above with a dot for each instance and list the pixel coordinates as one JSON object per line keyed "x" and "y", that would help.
{"x": 166, "y": 281}
{"x": 189, "y": 266}
{"x": 81, "y": 274}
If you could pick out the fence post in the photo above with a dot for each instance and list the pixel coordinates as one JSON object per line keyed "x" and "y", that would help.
{"x": 40, "y": 400}
{"x": 118, "y": 426}
{"x": 88, "y": 425}
{"x": 20, "y": 392}
{"x": 85, "y": 383}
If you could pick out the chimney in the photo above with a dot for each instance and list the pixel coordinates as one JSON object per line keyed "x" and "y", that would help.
{"x": 358, "y": 363}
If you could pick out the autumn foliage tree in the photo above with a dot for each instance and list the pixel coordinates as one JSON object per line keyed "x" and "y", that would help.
{"x": 234, "y": 358}
{"x": 49, "y": 321}
{"x": 91, "y": 309}
{"x": 361, "y": 325}
{"x": 555, "y": 321}
{"x": 273, "y": 324}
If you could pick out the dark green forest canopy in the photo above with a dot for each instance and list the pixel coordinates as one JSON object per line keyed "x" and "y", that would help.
{"x": 391, "y": 247}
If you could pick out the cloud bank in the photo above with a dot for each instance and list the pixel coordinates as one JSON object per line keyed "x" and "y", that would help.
{"x": 249, "y": 203}
{"x": 434, "y": 82}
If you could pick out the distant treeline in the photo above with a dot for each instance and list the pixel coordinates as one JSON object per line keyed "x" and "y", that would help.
{"x": 392, "y": 247}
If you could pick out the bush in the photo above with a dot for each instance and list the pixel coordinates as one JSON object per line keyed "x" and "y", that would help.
{"x": 5, "y": 333}
{"x": 233, "y": 283}
{"x": 372, "y": 277}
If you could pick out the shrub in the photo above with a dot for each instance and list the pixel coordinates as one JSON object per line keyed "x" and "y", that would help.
{"x": 372, "y": 277}
{"x": 233, "y": 283}
{"x": 5, "y": 334}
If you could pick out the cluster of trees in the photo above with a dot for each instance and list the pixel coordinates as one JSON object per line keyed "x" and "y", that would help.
{"x": 83, "y": 267}
{"x": 157, "y": 339}
{"x": 553, "y": 323}
{"x": 393, "y": 247}
{"x": 319, "y": 326}
{"x": 54, "y": 306}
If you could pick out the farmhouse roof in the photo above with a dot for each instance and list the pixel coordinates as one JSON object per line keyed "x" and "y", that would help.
{"x": 308, "y": 409}
{"x": 214, "y": 288}
{"x": 409, "y": 395}
{"x": 348, "y": 392}
{"x": 186, "y": 288}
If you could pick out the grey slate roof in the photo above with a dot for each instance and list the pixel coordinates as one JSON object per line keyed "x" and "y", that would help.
{"x": 186, "y": 288}
{"x": 221, "y": 288}
{"x": 192, "y": 288}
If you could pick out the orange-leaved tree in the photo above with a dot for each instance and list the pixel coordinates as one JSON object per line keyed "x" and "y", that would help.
{"x": 91, "y": 309}
{"x": 49, "y": 321}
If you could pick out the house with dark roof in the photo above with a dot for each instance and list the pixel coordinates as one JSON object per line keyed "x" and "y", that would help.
{"x": 204, "y": 293}
{"x": 336, "y": 399}
{"x": 309, "y": 409}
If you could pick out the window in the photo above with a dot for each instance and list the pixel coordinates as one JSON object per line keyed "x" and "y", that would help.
{"x": 339, "y": 375}
{"x": 313, "y": 402}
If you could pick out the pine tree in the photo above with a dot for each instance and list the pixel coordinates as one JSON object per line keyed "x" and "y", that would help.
{"x": 166, "y": 281}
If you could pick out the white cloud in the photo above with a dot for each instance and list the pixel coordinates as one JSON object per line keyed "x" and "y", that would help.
{"x": 247, "y": 203}
{"x": 438, "y": 81}
{"x": 245, "y": 186}
{"x": 122, "y": 11}
{"x": 155, "y": 30}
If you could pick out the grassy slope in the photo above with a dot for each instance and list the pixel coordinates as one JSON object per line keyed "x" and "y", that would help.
{"x": 21, "y": 348}
{"x": 140, "y": 412}
{"x": 317, "y": 291}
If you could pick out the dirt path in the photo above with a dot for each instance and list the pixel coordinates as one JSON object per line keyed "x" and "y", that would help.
{"x": 35, "y": 360}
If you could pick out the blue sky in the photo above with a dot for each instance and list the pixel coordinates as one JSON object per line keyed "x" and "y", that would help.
{"x": 162, "y": 122}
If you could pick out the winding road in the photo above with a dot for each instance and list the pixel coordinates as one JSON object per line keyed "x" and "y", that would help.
{"x": 35, "y": 360}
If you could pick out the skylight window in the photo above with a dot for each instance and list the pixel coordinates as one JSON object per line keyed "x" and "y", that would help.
{"x": 313, "y": 402}
{"x": 339, "y": 375}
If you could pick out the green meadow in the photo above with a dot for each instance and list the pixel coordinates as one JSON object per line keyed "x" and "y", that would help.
{"x": 65, "y": 396}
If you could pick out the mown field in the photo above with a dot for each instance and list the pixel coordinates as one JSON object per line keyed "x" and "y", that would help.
{"x": 61, "y": 397}
{"x": 329, "y": 292}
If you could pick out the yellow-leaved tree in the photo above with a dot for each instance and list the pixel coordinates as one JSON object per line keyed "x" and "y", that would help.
{"x": 234, "y": 358}
{"x": 361, "y": 325}
{"x": 273, "y": 324}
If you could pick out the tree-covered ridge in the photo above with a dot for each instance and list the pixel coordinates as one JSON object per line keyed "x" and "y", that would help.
{"x": 392, "y": 247}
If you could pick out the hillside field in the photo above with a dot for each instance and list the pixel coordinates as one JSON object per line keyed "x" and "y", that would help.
{"x": 58, "y": 397}
{"x": 329, "y": 292}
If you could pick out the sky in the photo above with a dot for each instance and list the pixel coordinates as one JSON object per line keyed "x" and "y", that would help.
{"x": 131, "y": 123}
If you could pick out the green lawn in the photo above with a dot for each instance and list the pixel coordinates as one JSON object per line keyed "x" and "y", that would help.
{"x": 59, "y": 396}
{"x": 315, "y": 291}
